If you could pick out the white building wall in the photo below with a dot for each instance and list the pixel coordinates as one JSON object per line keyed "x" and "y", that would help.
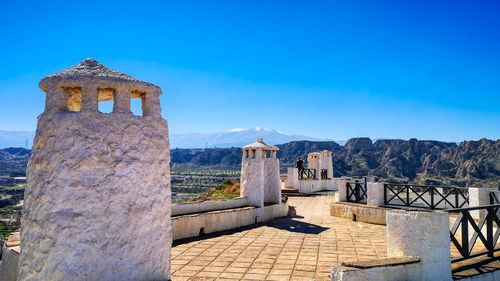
{"x": 272, "y": 182}
{"x": 326, "y": 162}
{"x": 252, "y": 178}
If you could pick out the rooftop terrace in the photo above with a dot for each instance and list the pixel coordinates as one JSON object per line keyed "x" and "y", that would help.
{"x": 297, "y": 248}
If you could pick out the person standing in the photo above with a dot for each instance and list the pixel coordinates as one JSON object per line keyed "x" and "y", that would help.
{"x": 300, "y": 166}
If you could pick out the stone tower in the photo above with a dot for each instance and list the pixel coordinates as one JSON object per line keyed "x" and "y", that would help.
{"x": 97, "y": 202}
{"x": 321, "y": 161}
{"x": 326, "y": 163}
{"x": 313, "y": 161}
{"x": 260, "y": 174}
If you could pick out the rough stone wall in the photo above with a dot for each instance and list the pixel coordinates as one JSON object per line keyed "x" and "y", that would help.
{"x": 97, "y": 202}
{"x": 9, "y": 267}
{"x": 252, "y": 180}
{"x": 272, "y": 182}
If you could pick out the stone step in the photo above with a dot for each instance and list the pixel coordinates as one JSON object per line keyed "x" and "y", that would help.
{"x": 290, "y": 192}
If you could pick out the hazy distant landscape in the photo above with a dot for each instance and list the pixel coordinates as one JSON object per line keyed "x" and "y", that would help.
{"x": 195, "y": 170}
{"x": 470, "y": 163}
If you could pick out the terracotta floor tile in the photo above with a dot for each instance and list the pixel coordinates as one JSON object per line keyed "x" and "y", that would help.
{"x": 207, "y": 274}
{"x": 230, "y": 275}
{"x": 214, "y": 269}
{"x": 236, "y": 269}
{"x": 253, "y": 276}
{"x": 277, "y": 278}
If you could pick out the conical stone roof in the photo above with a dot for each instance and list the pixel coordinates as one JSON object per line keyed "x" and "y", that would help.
{"x": 261, "y": 144}
{"x": 90, "y": 71}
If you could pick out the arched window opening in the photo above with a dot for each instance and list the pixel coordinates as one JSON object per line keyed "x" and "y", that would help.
{"x": 74, "y": 99}
{"x": 105, "y": 100}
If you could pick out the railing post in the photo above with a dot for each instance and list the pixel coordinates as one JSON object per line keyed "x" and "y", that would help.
{"x": 465, "y": 234}
{"x": 489, "y": 231}
{"x": 356, "y": 190}
{"x": 375, "y": 194}
{"x": 292, "y": 179}
{"x": 479, "y": 197}
{"x": 341, "y": 194}
{"x": 456, "y": 198}
{"x": 407, "y": 203}
{"x": 432, "y": 198}
{"x": 385, "y": 194}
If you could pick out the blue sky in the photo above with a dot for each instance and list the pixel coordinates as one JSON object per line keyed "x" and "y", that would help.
{"x": 326, "y": 69}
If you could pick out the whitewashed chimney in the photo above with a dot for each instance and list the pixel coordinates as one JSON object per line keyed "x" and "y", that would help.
{"x": 97, "y": 201}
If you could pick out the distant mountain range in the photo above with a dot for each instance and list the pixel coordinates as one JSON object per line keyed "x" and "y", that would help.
{"x": 470, "y": 163}
{"x": 233, "y": 138}
{"x": 230, "y": 138}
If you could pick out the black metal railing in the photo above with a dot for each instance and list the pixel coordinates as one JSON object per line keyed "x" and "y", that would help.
{"x": 494, "y": 198}
{"x": 466, "y": 223}
{"x": 428, "y": 197}
{"x": 324, "y": 174}
{"x": 356, "y": 192}
{"x": 307, "y": 174}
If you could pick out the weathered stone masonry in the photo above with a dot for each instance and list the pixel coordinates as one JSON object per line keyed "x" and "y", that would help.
{"x": 97, "y": 202}
{"x": 260, "y": 179}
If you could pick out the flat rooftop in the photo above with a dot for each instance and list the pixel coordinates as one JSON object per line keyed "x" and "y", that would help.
{"x": 297, "y": 248}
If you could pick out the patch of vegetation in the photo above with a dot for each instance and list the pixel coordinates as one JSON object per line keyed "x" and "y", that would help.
{"x": 228, "y": 189}
{"x": 17, "y": 187}
{"x": 189, "y": 179}
{"x": 9, "y": 222}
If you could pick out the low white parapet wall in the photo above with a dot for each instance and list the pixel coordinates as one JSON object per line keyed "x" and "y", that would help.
{"x": 186, "y": 226}
{"x": 310, "y": 186}
{"x": 399, "y": 269}
{"x": 359, "y": 212}
{"x": 206, "y": 206}
{"x": 192, "y": 225}
{"x": 271, "y": 211}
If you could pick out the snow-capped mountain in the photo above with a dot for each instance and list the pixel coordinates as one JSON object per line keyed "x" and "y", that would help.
{"x": 233, "y": 138}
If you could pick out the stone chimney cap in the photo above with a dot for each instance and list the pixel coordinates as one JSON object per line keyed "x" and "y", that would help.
{"x": 261, "y": 144}
{"x": 90, "y": 71}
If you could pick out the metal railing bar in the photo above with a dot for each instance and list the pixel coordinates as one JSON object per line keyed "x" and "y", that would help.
{"x": 457, "y": 223}
{"x": 473, "y": 208}
{"x": 435, "y": 186}
{"x": 477, "y": 233}
{"x": 420, "y": 196}
{"x": 473, "y": 255}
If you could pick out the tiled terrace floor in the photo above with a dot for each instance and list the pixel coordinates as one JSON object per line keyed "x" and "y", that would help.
{"x": 298, "y": 248}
